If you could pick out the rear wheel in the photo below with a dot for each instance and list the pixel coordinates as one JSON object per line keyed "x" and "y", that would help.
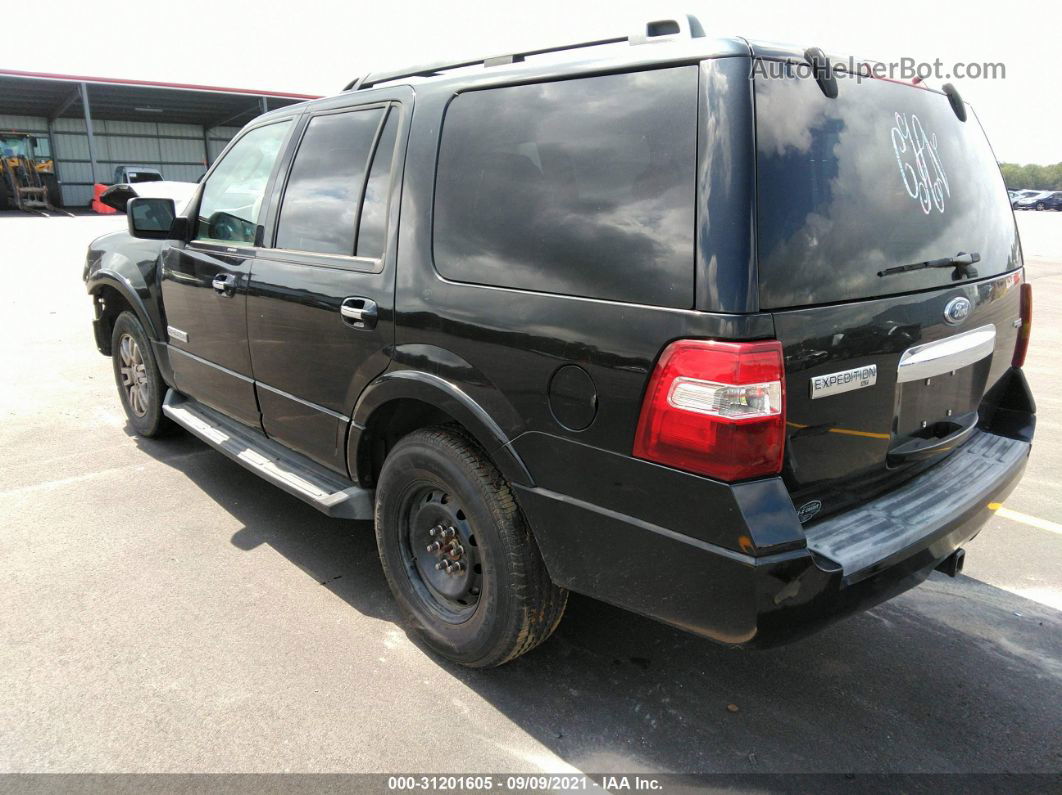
{"x": 458, "y": 554}
{"x": 136, "y": 374}
{"x": 1039, "y": 205}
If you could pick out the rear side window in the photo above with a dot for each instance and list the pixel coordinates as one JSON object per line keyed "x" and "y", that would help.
{"x": 322, "y": 198}
{"x": 579, "y": 187}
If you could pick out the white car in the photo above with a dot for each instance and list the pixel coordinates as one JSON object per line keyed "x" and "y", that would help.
{"x": 118, "y": 195}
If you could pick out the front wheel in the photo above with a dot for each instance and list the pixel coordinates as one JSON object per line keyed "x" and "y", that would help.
{"x": 1040, "y": 206}
{"x": 458, "y": 554}
{"x": 136, "y": 374}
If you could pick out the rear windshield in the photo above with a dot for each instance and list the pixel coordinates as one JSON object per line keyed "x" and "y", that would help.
{"x": 884, "y": 175}
{"x": 144, "y": 176}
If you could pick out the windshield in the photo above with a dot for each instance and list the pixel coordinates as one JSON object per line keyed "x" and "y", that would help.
{"x": 885, "y": 175}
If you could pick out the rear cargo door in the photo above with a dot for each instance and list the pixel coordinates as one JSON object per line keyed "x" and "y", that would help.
{"x": 888, "y": 254}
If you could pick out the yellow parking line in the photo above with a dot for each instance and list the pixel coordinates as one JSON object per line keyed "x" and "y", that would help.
{"x": 850, "y": 432}
{"x": 846, "y": 431}
{"x": 1024, "y": 518}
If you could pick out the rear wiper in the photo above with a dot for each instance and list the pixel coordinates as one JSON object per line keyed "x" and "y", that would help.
{"x": 961, "y": 262}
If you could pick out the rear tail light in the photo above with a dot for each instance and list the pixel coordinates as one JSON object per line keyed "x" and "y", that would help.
{"x": 716, "y": 408}
{"x": 1021, "y": 347}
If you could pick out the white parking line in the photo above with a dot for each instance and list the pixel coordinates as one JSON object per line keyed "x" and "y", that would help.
{"x": 1024, "y": 518}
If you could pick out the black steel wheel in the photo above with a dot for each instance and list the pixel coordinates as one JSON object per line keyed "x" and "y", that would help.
{"x": 441, "y": 548}
{"x": 459, "y": 557}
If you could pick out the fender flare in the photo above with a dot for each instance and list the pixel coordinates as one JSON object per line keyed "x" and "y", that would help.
{"x": 125, "y": 288}
{"x": 444, "y": 395}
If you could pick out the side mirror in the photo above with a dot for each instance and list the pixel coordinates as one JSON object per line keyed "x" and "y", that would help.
{"x": 150, "y": 219}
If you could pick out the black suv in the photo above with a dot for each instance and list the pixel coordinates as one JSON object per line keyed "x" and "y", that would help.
{"x": 694, "y": 326}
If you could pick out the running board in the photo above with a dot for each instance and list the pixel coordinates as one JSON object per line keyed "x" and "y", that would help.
{"x": 294, "y": 473}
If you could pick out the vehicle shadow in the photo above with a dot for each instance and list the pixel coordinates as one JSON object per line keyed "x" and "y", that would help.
{"x": 953, "y": 676}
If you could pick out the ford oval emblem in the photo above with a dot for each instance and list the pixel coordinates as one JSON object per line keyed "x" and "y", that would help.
{"x": 808, "y": 510}
{"x": 957, "y": 310}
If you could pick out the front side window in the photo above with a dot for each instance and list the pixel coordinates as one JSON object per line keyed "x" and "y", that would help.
{"x": 581, "y": 187}
{"x": 232, "y": 196}
{"x": 321, "y": 201}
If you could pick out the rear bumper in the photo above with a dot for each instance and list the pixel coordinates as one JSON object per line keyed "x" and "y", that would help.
{"x": 850, "y": 562}
{"x": 950, "y": 496}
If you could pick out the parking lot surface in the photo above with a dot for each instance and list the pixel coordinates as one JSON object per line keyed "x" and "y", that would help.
{"x": 166, "y": 611}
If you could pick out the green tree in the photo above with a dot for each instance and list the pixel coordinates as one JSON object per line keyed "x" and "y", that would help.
{"x": 1032, "y": 176}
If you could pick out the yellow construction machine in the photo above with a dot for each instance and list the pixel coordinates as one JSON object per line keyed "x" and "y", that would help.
{"x": 27, "y": 180}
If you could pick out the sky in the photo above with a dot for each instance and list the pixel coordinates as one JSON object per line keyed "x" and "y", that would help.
{"x": 317, "y": 46}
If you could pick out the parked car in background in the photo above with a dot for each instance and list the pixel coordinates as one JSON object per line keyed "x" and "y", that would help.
{"x": 1034, "y": 200}
{"x": 1048, "y": 200}
{"x": 133, "y": 181}
{"x": 130, "y": 175}
{"x": 1017, "y": 195}
{"x": 595, "y": 325}
{"x": 118, "y": 196}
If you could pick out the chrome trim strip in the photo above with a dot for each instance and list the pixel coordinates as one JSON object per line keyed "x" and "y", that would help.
{"x": 288, "y": 396}
{"x": 277, "y": 253}
{"x": 943, "y": 356}
{"x": 201, "y": 360}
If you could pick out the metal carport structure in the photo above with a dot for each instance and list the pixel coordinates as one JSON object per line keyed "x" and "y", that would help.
{"x": 89, "y": 125}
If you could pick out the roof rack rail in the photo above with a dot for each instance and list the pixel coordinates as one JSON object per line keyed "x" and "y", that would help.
{"x": 657, "y": 30}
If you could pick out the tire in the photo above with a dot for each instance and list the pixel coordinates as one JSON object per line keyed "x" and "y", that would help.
{"x": 55, "y": 196}
{"x": 136, "y": 374}
{"x": 1040, "y": 206}
{"x": 437, "y": 487}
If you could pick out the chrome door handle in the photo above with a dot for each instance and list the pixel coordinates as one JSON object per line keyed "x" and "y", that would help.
{"x": 224, "y": 284}
{"x": 359, "y": 312}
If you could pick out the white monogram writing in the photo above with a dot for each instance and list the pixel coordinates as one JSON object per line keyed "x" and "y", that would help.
{"x": 920, "y": 167}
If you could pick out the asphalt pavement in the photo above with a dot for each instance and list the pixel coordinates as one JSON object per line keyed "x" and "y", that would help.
{"x": 166, "y": 611}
